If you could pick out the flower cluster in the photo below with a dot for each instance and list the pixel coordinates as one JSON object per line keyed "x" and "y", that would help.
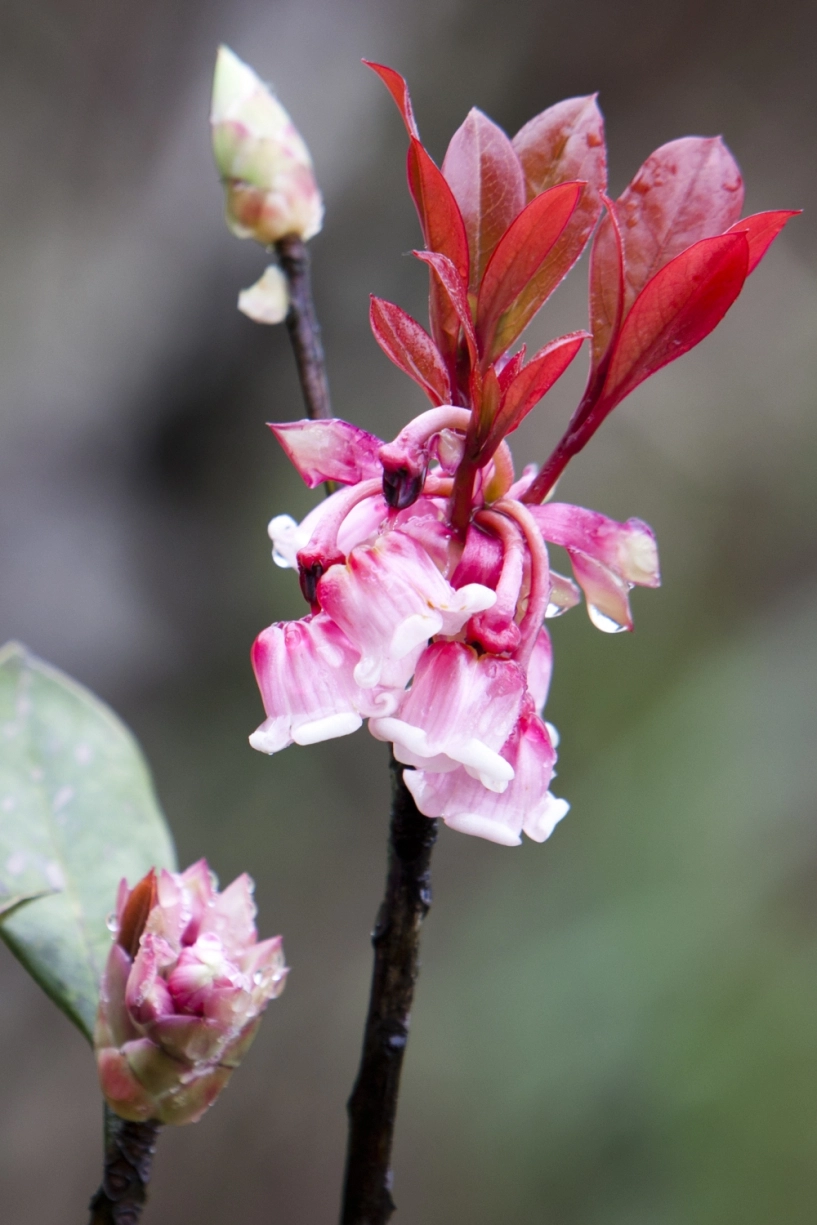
{"x": 427, "y": 572}
{"x": 182, "y": 994}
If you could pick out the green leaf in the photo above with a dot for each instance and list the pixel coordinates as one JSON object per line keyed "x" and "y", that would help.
{"x": 77, "y": 813}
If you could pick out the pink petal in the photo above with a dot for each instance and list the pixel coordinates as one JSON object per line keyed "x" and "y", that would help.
{"x": 232, "y": 916}
{"x": 113, "y": 1013}
{"x": 332, "y": 450}
{"x": 607, "y": 595}
{"x": 628, "y": 549}
{"x": 540, "y": 668}
{"x": 146, "y": 995}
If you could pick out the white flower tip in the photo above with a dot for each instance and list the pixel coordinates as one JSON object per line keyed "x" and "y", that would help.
{"x": 328, "y": 728}
{"x": 541, "y": 825}
{"x": 267, "y": 301}
{"x": 233, "y": 82}
{"x": 483, "y": 827}
{"x": 416, "y": 629}
{"x": 268, "y": 738}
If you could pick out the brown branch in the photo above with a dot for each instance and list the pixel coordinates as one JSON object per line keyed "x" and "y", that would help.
{"x": 302, "y": 324}
{"x": 396, "y": 938}
{"x": 129, "y": 1149}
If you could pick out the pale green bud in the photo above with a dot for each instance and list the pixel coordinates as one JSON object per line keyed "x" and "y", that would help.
{"x": 263, "y": 162}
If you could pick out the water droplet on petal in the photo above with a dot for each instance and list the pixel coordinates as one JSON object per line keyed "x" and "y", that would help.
{"x": 602, "y": 622}
{"x": 555, "y": 610}
{"x": 112, "y": 923}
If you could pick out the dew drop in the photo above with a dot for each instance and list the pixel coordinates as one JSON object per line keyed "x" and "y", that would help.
{"x": 555, "y": 610}
{"x": 602, "y": 622}
{"x": 112, "y": 923}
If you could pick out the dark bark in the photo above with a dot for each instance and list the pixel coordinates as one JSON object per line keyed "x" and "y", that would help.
{"x": 396, "y": 939}
{"x": 129, "y": 1149}
{"x": 302, "y": 324}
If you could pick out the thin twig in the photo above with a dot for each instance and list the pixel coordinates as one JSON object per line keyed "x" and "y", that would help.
{"x": 302, "y": 324}
{"x": 373, "y": 1105}
{"x": 129, "y": 1149}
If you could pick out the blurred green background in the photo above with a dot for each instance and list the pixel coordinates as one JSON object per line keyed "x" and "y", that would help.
{"x": 616, "y": 1028}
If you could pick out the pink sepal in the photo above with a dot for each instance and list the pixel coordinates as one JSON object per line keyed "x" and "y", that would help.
{"x": 332, "y": 450}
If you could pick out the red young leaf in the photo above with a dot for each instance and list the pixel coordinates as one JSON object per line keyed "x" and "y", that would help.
{"x": 440, "y": 217}
{"x": 397, "y": 87}
{"x": 453, "y": 294}
{"x": 444, "y": 232}
{"x": 562, "y": 145}
{"x": 487, "y": 181}
{"x": 411, "y": 348}
{"x": 522, "y": 271}
{"x": 533, "y": 382}
{"x": 687, "y": 190}
{"x": 606, "y": 284}
{"x": 762, "y": 229}
{"x": 511, "y": 368}
{"x": 675, "y": 311}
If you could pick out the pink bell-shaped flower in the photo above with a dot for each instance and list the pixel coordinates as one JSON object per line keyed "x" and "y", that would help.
{"x": 389, "y": 599}
{"x": 182, "y": 994}
{"x": 306, "y": 673}
{"x": 459, "y": 711}
{"x": 525, "y": 805}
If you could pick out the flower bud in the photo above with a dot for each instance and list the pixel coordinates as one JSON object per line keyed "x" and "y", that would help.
{"x": 182, "y": 994}
{"x": 265, "y": 166}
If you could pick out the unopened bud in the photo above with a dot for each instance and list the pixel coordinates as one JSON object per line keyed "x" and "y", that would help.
{"x": 182, "y": 994}
{"x": 265, "y": 166}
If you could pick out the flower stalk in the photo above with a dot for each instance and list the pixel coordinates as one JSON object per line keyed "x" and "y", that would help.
{"x": 303, "y": 327}
{"x": 129, "y": 1149}
{"x": 372, "y": 1108}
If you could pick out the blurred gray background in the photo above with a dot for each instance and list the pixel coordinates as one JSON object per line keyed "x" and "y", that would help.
{"x": 616, "y": 1028}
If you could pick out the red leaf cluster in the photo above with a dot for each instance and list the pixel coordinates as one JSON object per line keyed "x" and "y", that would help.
{"x": 505, "y": 220}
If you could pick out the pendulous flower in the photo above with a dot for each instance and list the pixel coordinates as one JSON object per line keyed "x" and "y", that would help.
{"x": 182, "y": 994}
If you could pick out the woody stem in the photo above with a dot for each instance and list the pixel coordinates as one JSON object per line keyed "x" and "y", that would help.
{"x": 372, "y": 1108}
{"x": 302, "y": 325}
{"x": 129, "y": 1149}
